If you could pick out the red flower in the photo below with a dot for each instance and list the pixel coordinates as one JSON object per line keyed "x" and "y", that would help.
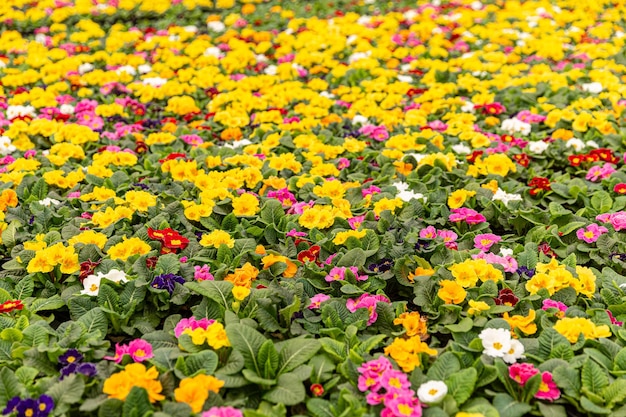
{"x": 546, "y": 249}
{"x": 492, "y": 108}
{"x": 522, "y": 159}
{"x": 141, "y": 147}
{"x": 169, "y": 238}
{"x": 173, "y": 156}
{"x": 506, "y": 297}
{"x": 317, "y": 390}
{"x": 87, "y": 268}
{"x": 472, "y": 158}
{"x": 576, "y": 160}
{"x": 11, "y": 305}
{"x": 151, "y": 262}
{"x": 539, "y": 184}
{"x": 620, "y": 188}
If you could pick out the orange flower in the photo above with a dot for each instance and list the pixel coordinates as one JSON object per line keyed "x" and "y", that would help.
{"x": 271, "y": 259}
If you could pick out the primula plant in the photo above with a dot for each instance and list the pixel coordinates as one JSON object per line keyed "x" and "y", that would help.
{"x": 251, "y": 208}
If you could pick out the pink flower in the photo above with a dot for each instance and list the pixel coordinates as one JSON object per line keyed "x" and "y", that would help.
{"x": 74, "y": 194}
{"x": 404, "y": 405}
{"x": 508, "y": 262}
{"x": 591, "y": 233}
{"x": 355, "y": 222}
{"x": 355, "y": 272}
{"x": 343, "y": 163}
{"x": 521, "y": 372}
{"x": 295, "y": 233}
{"x": 428, "y": 233}
{"x": 370, "y": 190}
{"x": 202, "y": 273}
{"x": 485, "y": 241}
{"x": 617, "y": 220}
{"x": 191, "y": 324}
{"x": 30, "y": 153}
{"x": 548, "y": 303}
{"x": 596, "y": 172}
{"x": 366, "y": 301}
{"x": 394, "y": 381}
{"x": 613, "y": 319}
{"x": 336, "y": 274}
{"x": 120, "y": 351}
{"x": 140, "y": 350}
{"x": 317, "y": 300}
{"x": 466, "y": 214}
{"x": 222, "y": 412}
{"x": 548, "y": 389}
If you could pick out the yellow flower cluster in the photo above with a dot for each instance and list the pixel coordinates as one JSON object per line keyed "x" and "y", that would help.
{"x": 120, "y": 384}
{"x": 341, "y": 237}
{"x": 468, "y": 272}
{"x": 214, "y": 335}
{"x": 217, "y": 238}
{"x": 413, "y": 323}
{"x": 195, "y": 391}
{"x": 60, "y": 179}
{"x": 109, "y": 216}
{"x": 525, "y": 323}
{"x": 45, "y": 260}
{"x": 89, "y": 237}
{"x": 457, "y": 198}
{"x": 244, "y": 276}
{"x": 573, "y": 327}
{"x": 554, "y": 277}
{"x": 406, "y": 352}
{"x": 270, "y": 259}
{"x": 60, "y": 153}
{"x": 128, "y": 248}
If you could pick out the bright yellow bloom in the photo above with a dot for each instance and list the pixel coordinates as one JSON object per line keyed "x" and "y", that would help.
{"x": 217, "y": 238}
{"x": 451, "y": 292}
{"x": 406, "y": 352}
{"x": 245, "y": 205}
{"x": 525, "y": 323}
{"x": 195, "y": 391}
{"x": 341, "y": 237}
{"x": 476, "y": 307}
{"x": 120, "y": 384}
{"x": 270, "y": 259}
{"x": 413, "y": 323}
{"x": 128, "y": 248}
{"x": 573, "y": 327}
{"x": 457, "y": 198}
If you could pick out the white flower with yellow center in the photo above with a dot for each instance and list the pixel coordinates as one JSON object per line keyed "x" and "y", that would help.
{"x": 496, "y": 342}
{"x": 432, "y": 392}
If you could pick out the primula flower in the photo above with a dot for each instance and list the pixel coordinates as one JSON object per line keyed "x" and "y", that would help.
{"x": 70, "y": 356}
{"x": 167, "y": 282}
{"x": 336, "y": 274}
{"x": 591, "y": 233}
{"x": 470, "y": 216}
{"x": 201, "y": 273}
{"x": 140, "y": 350}
{"x": 548, "y": 303}
{"x": 195, "y": 391}
{"x": 521, "y": 372}
{"x": 402, "y": 405}
{"x": 451, "y": 292}
{"x": 367, "y": 301}
{"x": 547, "y": 389}
{"x": 620, "y": 188}
{"x": 496, "y": 342}
{"x": 596, "y": 172}
{"x": 317, "y": 300}
{"x": 485, "y": 241}
{"x": 432, "y": 392}
{"x": 428, "y": 233}
{"x": 222, "y": 412}
{"x": 11, "y": 305}
{"x": 573, "y": 327}
{"x": 120, "y": 384}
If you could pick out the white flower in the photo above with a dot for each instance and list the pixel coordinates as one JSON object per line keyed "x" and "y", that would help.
{"x": 409, "y": 195}
{"x": 213, "y": 51}
{"x": 432, "y": 391}
{"x": 127, "y": 69}
{"x": 237, "y": 144}
{"x": 506, "y": 252}
{"x": 327, "y": 94}
{"x": 405, "y": 79}
{"x": 116, "y": 276}
{"x": 496, "y": 342}
{"x": 271, "y": 70}
{"x": 593, "y": 88}
{"x": 575, "y": 143}
{"x": 92, "y": 284}
{"x": 364, "y": 20}
{"x": 476, "y": 5}
{"x": 144, "y": 69}
{"x": 592, "y": 144}
{"x": 66, "y": 109}
{"x": 401, "y": 186}
{"x": 358, "y": 56}
{"x": 191, "y": 29}
{"x": 410, "y": 15}
{"x": 216, "y": 26}
{"x": 40, "y": 38}
{"x": 260, "y": 58}
{"x": 538, "y": 146}
{"x": 468, "y": 107}
{"x": 6, "y": 147}
{"x": 515, "y": 352}
{"x": 351, "y": 39}
{"x": 174, "y": 38}
{"x": 154, "y": 81}
{"x": 86, "y": 67}
{"x": 49, "y": 201}
{"x": 461, "y": 148}
{"x": 20, "y": 111}
{"x": 515, "y": 125}
{"x": 359, "y": 120}
{"x": 417, "y": 156}
{"x": 501, "y": 195}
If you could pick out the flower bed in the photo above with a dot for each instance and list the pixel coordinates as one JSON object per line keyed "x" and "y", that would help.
{"x": 240, "y": 209}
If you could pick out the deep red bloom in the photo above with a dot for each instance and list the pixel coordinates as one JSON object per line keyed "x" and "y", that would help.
{"x": 151, "y": 262}
{"x": 506, "y": 297}
{"x": 11, "y": 305}
{"x": 141, "y": 147}
{"x": 169, "y": 238}
{"x": 474, "y": 155}
{"x": 546, "y": 249}
{"x": 317, "y": 390}
{"x": 173, "y": 156}
{"x": 87, "y": 268}
{"x": 576, "y": 160}
{"x": 539, "y": 184}
{"x": 522, "y": 159}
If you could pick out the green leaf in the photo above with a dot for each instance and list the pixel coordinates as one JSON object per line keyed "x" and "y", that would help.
{"x": 272, "y": 212}
{"x": 137, "y": 403}
{"x": 9, "y": 235}
{"x": 112, "y": 407}
{"x": 219, "y": 291}
{"x": 552, "y": 410}
{"x": 26, "y": 375}
{"x": 319, "y": 408}
{"x": 323, "y": 368}
{"x": 39, "y": 189}
{"x": 68, "y": 391}
{"x": 108, "y": 298}
{"x": 168, "y": 264}
{"x": 445, "y": 366}
{"x": 615, "y": 393}
{"x": 268, "y": 359}
{"x": 593, "y": 408}
{"x": 24, "y": 288}
{"x": 548, "y": 340}
{"x": 593, "y": 378}
{"x": 354, "y": 257}
{"x": 601, "y": 201}
{"x": 205, "y": 361}
{"x": 507, "y": 406}
{"x": 619, "y": 363}
{"x": 289, "y": 391}
{"x": 50, "y": 303}
{"x": 295, "y": 352}
{"x": 248, "y": 342}
{"x": 463, "y": 326}
{"x": 95, "y": 320}
{"x": 257, "y": 379}
{"x": 461, "y": 384}
{"x": 9, "y": 385}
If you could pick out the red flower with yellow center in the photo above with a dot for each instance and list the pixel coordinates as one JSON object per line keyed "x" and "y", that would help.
{"x": 11, "y": 305}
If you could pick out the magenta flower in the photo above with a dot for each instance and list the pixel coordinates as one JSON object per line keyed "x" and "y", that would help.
{"x": 355, "y": 222}
{"x": 317, "y": 300}
{"x": 485, "y": 241}
{"x": 395, "y": 381}
{"x": 548, "y": 389}
{"x": 336, "y": 274}
{"x": 466, "y": 214}
{"x": 367, "y": 301}
{"x": 355, "y": 272}
{"x": 140, "y": 350}
{"x": 428, "y": 233}
{"x": 402, "y": 405}
{"x": 596, "y": 172}
{"x": 613, "y": 319}
{"x": 548, "y": 303}
{"x": 202, "y": 273}
{"x": 120, "y": 351}
{"x": 508, "y": 262}
{"x": 191, "y": 324}
{"x": 521, "y": 372}
{"x": 222, "y": 412}
{"x": 591, "y": 233}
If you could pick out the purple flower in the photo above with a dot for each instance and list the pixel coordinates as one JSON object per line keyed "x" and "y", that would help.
{"x": 87, "y": 369}
{"x": 71, "y": 356}
{"x": 11, "y": 405}
{"x": 167, "y": 282}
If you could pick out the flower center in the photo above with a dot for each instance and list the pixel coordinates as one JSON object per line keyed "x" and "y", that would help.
{"x": 433, "y": 391}
{"x": 497, "y": 345}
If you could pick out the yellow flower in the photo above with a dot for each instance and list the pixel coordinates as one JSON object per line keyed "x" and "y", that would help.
{"x": 406, "y": 352}
{"x": 457, "y": 198}
{"x": 243, "y": 276}
{"x": 573, "y": 327}
{"x": 240, "y": 293}
{"x": 413, "y": 323}
{"x": 341, "y": 237}
{"x": 195, "y": 391}
{"x": 525, "y": 323}
{"x": 451, "y": 292}
{"x": 271, "y": 259}
{"x": 245, "y": 205}
{"x": 217, "y": 238}
{"x": 476, "y": 307}
{"x": 128, "y": 248}
{"x": 120, "y": 384}
{"x": 89, "y": 237}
